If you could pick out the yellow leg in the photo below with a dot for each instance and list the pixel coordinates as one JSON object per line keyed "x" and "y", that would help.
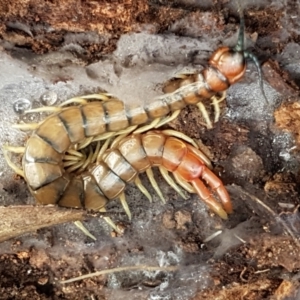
{"x": 96, "y": 152}
{"x": 147, "y": 127}
{"x": 14, "y": 149}
{"x": 205, "y": 115}
{"x": 171, "y": 182}
{"x": 102, "y": 150}
{"x": 141, "y": 187}
{"x": 180, "y": 135}
{"x": 14, "y": 167}
{"x": 104, "y": 136}
{"x": 215, "y": 103}
{"x": 26, "y": 127}
{"x": 51, "y": 109}
{"x": 84, "y": 230}
{"x": 154, "y": 184}
{"x": 110, "y": 222}
{"x": 125, "y": 205}
{"x": 189, "y": 188}
{"x": 88, "y": 160}
{"x": 84, "y": 143}
{"x": 166, "y": 120}
{"x": 77, "y": 100}
{"x": 127, "y": 130}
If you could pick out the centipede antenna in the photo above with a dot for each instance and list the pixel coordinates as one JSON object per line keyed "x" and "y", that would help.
{"x": 257, "y": 65}
{"x": 240, "y": 45}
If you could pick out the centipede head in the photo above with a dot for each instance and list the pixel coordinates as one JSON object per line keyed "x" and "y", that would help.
{"x": 231, "y": 62}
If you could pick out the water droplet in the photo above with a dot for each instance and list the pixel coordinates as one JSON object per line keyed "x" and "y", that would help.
{"x": 48, "y": 98}
{"x": 21, "y": 105}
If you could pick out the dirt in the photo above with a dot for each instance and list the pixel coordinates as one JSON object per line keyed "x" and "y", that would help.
{"x": 255, "y": 253}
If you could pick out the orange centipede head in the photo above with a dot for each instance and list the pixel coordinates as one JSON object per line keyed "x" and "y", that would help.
{"x": 231, "y": 63}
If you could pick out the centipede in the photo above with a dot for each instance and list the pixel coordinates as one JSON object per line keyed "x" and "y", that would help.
{"x": 80, "y": 121}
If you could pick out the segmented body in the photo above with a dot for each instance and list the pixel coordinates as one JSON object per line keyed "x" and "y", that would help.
{"x": 75, "y": 124}
{"x": 78, "y": 126}
{"x": 107, "y": 179}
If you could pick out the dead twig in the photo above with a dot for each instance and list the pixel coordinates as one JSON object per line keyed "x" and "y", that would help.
{"x": 121, "y": 269}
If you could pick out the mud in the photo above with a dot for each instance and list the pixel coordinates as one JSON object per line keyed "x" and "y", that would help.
{"x": 129, "y": 49}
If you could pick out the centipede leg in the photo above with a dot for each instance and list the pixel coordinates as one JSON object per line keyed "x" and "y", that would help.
{"x": 204, "y": 114}
{"x": 110, "y": 222}
{"x": 88, "y": 160}
{"x": 14, "y": 167}
{"x": 76, "y": 100}
{"x": 102, "y": 150}
{"x": 215, "y": 103}
{"x": 125, "y": 205}
{"x": 74, "y": 166}
{"x": 84, "y": 143}
{"x": 80, "y": 226}
{"x": 141, "y": 187}
{"x": 147, "y": 127}
{"x": 185, "y": 185}
{"x": 127, "y": 130}
{"x": 83, "y": 99}
{"x": 154, "y": 184}
{"x": 171, "y": 182}
{"x": 201, "y": 156}
{"x": 180, "y": 135}
{"x": 166, "y": 120}
{"x": 26, "y": 127}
